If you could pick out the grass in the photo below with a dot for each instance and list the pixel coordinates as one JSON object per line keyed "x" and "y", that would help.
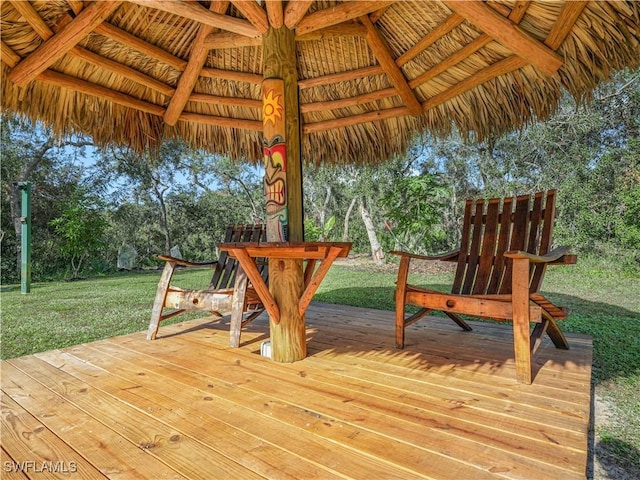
{"x": 604, "y": 301}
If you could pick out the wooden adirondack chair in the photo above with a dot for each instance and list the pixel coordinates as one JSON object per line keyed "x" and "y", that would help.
{"x": 228, "y": 292}
{"x": 500, "y": 266}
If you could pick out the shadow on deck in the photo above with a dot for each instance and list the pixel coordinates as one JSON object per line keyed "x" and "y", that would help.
{"x": 187, "y": 406}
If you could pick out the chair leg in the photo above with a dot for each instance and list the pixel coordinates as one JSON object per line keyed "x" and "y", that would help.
{"x": 401, "y": 289}
{"x": 459, "y": 320}
{"x": 161, "y": 296}
{"x": 237, "y": 307}
{"x": 554, "y": 332}
{"x": 521, "y": 318}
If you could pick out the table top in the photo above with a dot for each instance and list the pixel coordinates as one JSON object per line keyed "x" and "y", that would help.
{"x": 306, "y": 250}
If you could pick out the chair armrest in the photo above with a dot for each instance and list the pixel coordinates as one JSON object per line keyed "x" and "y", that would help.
{"x": 557, "y": 256}
{"x": 445, "y": 257}
{"x": 186, "y": 263}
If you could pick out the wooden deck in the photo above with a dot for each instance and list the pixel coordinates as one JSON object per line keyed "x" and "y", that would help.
{"x": 187, "y": 406}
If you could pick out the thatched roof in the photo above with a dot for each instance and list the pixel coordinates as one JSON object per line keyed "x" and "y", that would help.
{"x": 373, "y": 76}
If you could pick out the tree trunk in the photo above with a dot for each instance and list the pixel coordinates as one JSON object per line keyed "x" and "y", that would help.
{"x": 345, "y": 231}
{"x": 377, "y": 254}
{"x": 323, "y": 213}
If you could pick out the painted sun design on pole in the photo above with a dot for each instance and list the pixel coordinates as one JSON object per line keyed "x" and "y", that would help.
{"x": 272, "y": 109}
{"x": 275, "y": 160}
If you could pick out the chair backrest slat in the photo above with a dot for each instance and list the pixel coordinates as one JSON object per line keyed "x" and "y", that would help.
{"x": 493, "y": 227}
{"x": 548, "y": 218}
{"x": 464, "y": 248}
{"x": 499, "y": 264}
{"x": 488, "y": 247}
{"x": 474, "y": 248}
{"x": 225, "y": 272}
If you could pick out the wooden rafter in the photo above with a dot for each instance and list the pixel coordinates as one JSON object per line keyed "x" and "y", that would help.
{"x": 377, "y": 15}
{"x": 348, "y": 102}
{"x": 231, "y": 101}
{"x": 569, "y": 14}
{"x": 76, "y": 5}
{"x": 247, "y": 77}
{"x": 221, "y": 40}
{"x": 509, "y": 35}
{"x": 194, "y": 11}
{"x": 120, "y": 69}
{"x": 189, "y": 77}
{"x": 9, "y": 57}
{"x": 434, "y": 35}
{"x": 42, "y": 29}
{"x": 383, "y": 54}
{"x": 518, "y": 10}
{"x": 275, "y": 13}
{"x": 338, "y": 14}
{"x": 502, "y": 67}
{"x": 73, "y": 83}
{"x": 355, "y": 120}
{"x": 454, "y": 59}
{"x": 52, "y": 50}
{"x": 254, "y": 13}
{"x": 118, "y": 35}
{"x": 343, "y": 29}
{"x": 340, "y": 77}
{"x": 222, "y": 121}
{"x": 295, "y": 11}
{"x": 34, "y": 20}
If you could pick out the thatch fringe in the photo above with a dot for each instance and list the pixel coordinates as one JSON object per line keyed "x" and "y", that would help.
{"x": 605, "y": 38}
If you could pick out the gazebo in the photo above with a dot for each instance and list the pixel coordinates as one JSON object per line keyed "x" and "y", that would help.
{"x": 288, "y": 83}
{"x": 304, "y": 81}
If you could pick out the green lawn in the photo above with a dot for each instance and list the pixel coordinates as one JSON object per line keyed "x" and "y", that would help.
{"x": 604, "y": 303}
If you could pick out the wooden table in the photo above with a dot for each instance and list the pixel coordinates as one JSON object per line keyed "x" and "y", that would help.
{"x": 290, "y": 287}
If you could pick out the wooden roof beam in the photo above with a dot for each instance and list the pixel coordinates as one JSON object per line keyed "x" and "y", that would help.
{"x": 118, "y": 35}
{"x": 518, "y": 10}
{"x": 73, "y": 83}
{"x": 348, "y": 102}
{"x": 231, "y": 75}
{"x": 509, "y": 35}
{"x": 454, "y": 59}
{"x": 241, "y": 123}
{"x": 338, "y": 14}
{"x": 194, "y": 11}
{"x": 433, "y": 36}
{"x": 275, "y": 13}
{"x": 502, "y": 67}
{"x": 254, "y": 13}
{"x": 568, "y": 17}
{"x": 76, "y": 5}
{"x": 42, "y": 29}
{"x": 220, "y": 40}
{"x": 34, "y": 20}
{"x": 197, "y": 59}
{"x": 377, "y": 15}
{"x": 230, "y": 101}
{"x": 343, "y": 29}
{"x": 354, "y": 120}
{"x": 340, "y": 77}
{"x": 8, "y": 56}
{"x": 52, "y": 50}
{"x": 295, "y": 11}
{"x": 387, "y": 62}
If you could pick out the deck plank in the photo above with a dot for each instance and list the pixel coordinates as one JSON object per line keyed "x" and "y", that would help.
{"x": 447, "y": 406}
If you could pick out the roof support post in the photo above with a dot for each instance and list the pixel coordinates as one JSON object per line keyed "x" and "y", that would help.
{"x": 283, "y": 189}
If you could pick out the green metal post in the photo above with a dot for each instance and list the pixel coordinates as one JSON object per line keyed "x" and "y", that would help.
{"x": 25, "y": 219}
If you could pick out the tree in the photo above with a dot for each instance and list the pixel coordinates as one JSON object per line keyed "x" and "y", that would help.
{"x": 81, "y": 228}
{"x": 31, "y": 153}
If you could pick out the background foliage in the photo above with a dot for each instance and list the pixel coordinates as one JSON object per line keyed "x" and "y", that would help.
{"x": 180, "y": 197}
